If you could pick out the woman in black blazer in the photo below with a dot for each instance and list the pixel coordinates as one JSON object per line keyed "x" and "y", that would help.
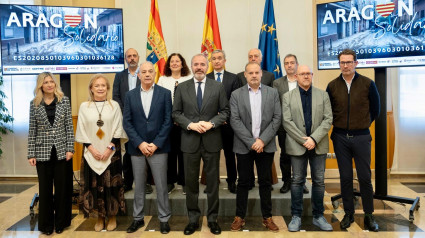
{"x": 50, "y": 149}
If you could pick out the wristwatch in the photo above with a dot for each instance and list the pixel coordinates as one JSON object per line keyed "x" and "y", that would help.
{"x": 111, "y": 147}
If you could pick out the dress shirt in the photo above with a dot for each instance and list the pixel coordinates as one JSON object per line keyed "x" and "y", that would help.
{"x": 292, "y": 85}
{"x": 132, "y": 80}
{"x": 306, "y": 100}
{"x": 221, "y": 75}
{"x": 146, "y": 96}
{"x": 202, "y": 86}
{"x": 348, "y": 83}
{"x": 255, "y": 102}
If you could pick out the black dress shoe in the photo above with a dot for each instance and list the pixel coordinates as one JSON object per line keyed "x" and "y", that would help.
{"x": 164, "y": 227}
{"x": 232, "y": 187}
{"x": 370, "y": 223}
{"x": 148, "y": 189}
{"x": 285, "y": 188}
{"x": 305, "y": 190}
{"x": 135, "y": 225}
{"x": 59, "y": 230}
{"x": 191, "y": 228}
{"x": 47, "y": 232}
{"x": 346, "y": 221}
{"x": 214, "y": 228}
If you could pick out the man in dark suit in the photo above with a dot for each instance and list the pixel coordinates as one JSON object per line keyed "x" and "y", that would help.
{"x": 147, "y": 122}
{"x": 230, "y": 82}
{"x": 125, "y": 81}
{"x": 200, "y": 108}
{"x": 283, "y": 85}
{"x": 255, "y": 118}
{"x": 255, "y": 55}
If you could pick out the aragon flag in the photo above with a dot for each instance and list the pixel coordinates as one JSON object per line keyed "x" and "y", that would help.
{"x": 156, "y": 52}
{"x": 211, "y": 36}
{"x": 268, "y": 42}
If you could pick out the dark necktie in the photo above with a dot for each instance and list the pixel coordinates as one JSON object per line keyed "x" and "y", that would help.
{"x": 175, "y": 88}
{"x": 218, "y": 77}
{"x": 199, "y": 96}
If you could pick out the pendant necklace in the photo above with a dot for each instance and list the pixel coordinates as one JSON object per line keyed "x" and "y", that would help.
{"x": 99, "y": 122}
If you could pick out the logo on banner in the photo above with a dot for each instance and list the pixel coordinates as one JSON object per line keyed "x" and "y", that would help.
{"x": 385, "y": 9}
{"x": 73, "y": 20}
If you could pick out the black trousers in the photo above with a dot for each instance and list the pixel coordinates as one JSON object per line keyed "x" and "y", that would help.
{"x": 285, "y": 160}
{"x": 359, "y": 148}
{"x": 175, "y": 171}
{"x": 227, "y": 138}
{"x": 263, "y": 162}
{"x": 54, "y": 209}
{"x": 192, "y": 162}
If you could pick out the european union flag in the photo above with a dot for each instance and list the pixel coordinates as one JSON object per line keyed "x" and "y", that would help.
{"x": 268, "y": 42}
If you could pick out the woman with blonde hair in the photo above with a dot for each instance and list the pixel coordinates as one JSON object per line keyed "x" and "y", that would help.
{"x": 99, "y": 129}
{"x": 50, "y": 149}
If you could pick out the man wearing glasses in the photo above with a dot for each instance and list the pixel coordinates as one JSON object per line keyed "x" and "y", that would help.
{"x": 307, "y": 142}
{"x": 355, "y": 105}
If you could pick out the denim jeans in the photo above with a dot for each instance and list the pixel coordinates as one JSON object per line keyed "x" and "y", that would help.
{"x": 299, "y": 171}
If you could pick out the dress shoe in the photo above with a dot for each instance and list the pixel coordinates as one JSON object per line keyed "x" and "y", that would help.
{"x": 135, "y": 225}
{"x": 170, "y": 187}
{"x": 47, "y": 232}
{"x": 231, "y": 187}
{"x": 269, "y": 224}
{"x": 346, "y": 221}
{"x": 164, "y": 227}
{"x": 112, "y": 223}
{"x": 58, "y": 230}
{"x": 285, "y": 188}
{"x": 238, "y": 224}
{"x": 305, "y": 190}
{"x": 148, "y": 189}
{"x": 191, "y": 228}
{"x": 184, "y": 190}
{"x": 370, "y": 223}
{"x": 214, "y": 228}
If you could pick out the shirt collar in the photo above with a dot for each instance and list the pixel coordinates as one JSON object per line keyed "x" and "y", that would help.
{"x": 203, "y": 80}
{"x": 303, "y": 92}
{"x": 250, "y": 89}
{"x": 354, "y": 77}
{"x": 143, "y": 90}
{"x": 222, "y": 72}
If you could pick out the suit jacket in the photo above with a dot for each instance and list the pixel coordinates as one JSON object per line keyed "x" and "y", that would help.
{"x": 42, "y": 136}
{"x": 230, "y": 82}
{"x": 215, "y": 108}
{"x": 241, "y": 119}
{"x": 120, "y": 87}
{"x": 152, "y": 129}
{"x": 266, "y": 79}
{"x": 293, "y": 121}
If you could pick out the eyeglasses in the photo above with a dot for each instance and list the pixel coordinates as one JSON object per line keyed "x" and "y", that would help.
{"x": 348, "y": 63}
{"x": 305, "y": 74}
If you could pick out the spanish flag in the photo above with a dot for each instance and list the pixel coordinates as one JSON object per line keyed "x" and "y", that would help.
{"x": 211, "y": 36}
{"x": 156, "y": 52}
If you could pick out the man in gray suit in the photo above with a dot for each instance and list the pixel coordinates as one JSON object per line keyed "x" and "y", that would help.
{"x": 255, "y": 55}
{"x": 283, "y": 85}
{"x": 200, "y": 108}
{"x": 255, "y": 119}
{"x": 307, "y": 118}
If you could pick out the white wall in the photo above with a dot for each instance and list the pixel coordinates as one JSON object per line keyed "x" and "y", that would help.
{"x": 239, "y": 22}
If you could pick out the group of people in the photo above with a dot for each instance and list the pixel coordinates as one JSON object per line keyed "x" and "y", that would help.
{"x": 158, "y": 134}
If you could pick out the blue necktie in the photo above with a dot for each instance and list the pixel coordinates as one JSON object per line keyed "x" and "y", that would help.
{"x": 199, "y": 96}
{"x": 218, "y": 77}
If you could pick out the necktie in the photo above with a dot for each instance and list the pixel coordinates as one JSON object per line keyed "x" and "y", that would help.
{"x": 175, "y": 88}
{"x": 199, "y": 96}
{"x": 218, "y": 77}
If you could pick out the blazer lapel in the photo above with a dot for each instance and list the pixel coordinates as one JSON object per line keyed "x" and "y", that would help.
{"x": 263, "y": 98}
{"x": 245, "y": 96}
{"x": 315, "y": 99}
{"x": 155, "y": 98}
{"x": 297, "y": 99}
{"x": 58, "y": 112}
{"x": 207, "y": 93}
{"x": 191, "y": 93}
{"x": 138, "y": 99}
{"x": 42, "y": 112}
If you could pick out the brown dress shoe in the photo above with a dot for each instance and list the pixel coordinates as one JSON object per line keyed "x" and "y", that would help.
{"x": 237, "y": 224}
{"x": 100, "y": 224}
{"x": 112, "y": 223}
{"x": 269, "y": 224}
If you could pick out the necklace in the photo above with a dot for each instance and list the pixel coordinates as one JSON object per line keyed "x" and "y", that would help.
{"x": 100, "y": 122}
